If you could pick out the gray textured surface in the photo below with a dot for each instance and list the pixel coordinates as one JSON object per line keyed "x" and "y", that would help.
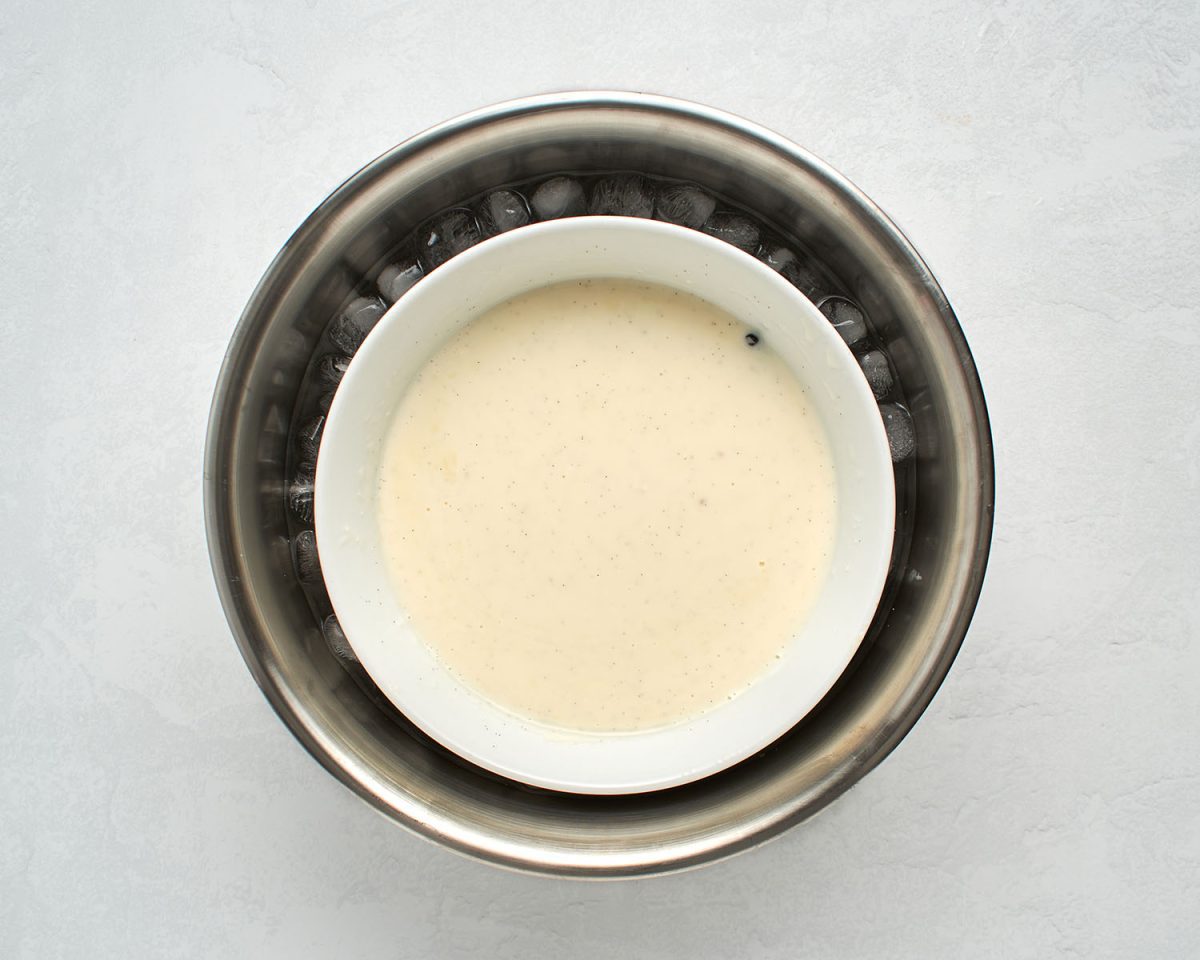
{"x": 155, "y": 156}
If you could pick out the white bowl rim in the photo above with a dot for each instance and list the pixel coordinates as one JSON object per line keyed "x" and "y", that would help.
{"x": 488, "y": 735}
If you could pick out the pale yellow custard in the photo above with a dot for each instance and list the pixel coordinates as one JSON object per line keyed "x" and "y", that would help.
{"x": 603, "y": 509}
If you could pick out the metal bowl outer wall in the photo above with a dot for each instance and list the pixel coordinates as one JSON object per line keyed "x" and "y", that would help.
{"x": 417, "y": 785}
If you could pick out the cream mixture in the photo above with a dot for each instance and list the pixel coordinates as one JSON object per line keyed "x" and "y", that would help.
{"x": 603, "y": 508}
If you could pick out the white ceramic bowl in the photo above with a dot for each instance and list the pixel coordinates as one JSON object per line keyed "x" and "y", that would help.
{"x": 352, "y": 559}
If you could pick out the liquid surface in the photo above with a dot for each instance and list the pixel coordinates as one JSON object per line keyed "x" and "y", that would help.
{"x": 603, "y": 509}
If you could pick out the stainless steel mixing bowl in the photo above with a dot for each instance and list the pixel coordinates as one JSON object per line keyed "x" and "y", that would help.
{"x": 946, "y": 514}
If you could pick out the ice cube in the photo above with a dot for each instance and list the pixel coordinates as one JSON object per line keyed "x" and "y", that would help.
{"x": 801, "y": 272}
{"x": 502, "y": 210}
{"x": 879, "y": 375}
{"x": 684, "y": 204}
{"x": 335, "y": 636}
{"x": 777, "y": 257}
{"x": 902, "y": 438}
{"x": 735, "y": 229}
{"x": 396, "y": 279}
{"x": 446, "y": 236}
{"x": 300, "y": 491}
{"x": 304, "y": 557}
{"x": 624, "y": 195}
{"x": 558, "y": 197}
{"x": 350, "y": 328}
{"x": 846, "y": 317}
{"x": 331, "y": 368}
{"x": 308, "y": 438}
